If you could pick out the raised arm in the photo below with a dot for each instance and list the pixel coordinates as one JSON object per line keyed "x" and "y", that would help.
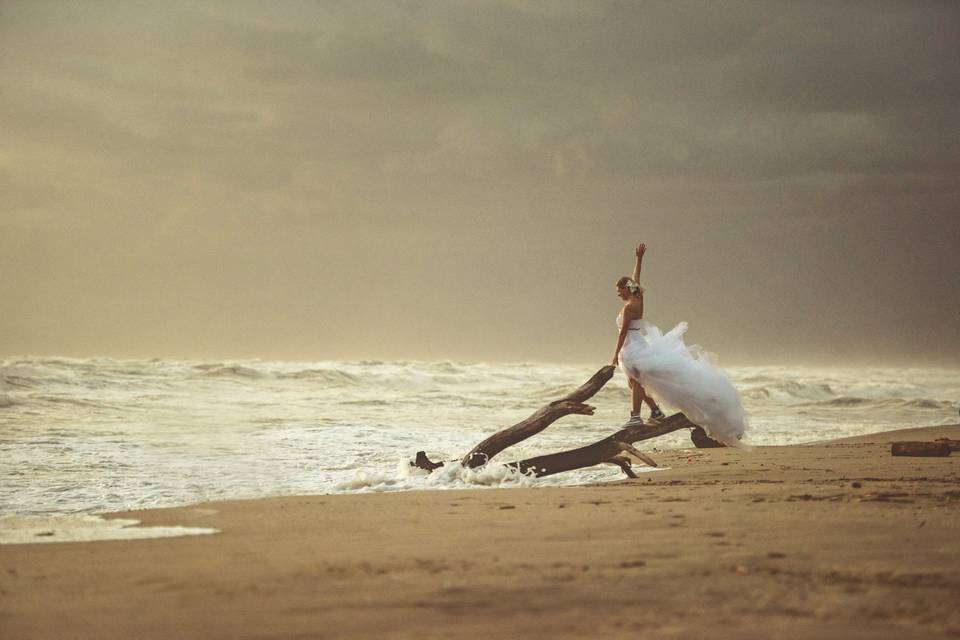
{"x": 641, "y": 249}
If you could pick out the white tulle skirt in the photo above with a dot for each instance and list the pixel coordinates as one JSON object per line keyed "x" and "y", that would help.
{"x": 684, "y": 378}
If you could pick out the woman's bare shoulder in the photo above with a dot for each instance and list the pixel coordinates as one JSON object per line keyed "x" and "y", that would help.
{"x": 634, "y": 309}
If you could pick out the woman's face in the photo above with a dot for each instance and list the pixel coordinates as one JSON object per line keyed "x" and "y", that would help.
{"x": 623, "y": 293}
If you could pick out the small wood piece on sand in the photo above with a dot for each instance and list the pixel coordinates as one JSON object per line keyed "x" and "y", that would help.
{"x": 920, "y": 449}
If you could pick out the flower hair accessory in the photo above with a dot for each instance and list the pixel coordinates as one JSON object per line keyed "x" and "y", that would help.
{"x": 633, "y": 287}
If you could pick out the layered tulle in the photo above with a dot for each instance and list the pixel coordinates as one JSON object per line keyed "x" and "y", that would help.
{"x": 684, "y": 378}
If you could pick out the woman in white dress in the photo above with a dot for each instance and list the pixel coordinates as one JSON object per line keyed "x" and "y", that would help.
{"x": 662, "y": 366}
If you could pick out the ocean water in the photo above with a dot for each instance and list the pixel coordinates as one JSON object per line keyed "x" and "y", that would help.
{"x": 82, "y": 436}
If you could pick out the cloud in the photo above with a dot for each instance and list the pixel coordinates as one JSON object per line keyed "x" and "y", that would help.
{"x": 441, "y": 141}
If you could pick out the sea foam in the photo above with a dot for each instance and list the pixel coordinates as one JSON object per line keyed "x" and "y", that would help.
{"x": 96, "y": 435}
{"x": 83, "y": 528}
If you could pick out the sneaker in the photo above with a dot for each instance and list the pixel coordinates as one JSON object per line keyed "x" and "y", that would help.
{"x": 635, "y": 421}
{"x": 656, "y": 415}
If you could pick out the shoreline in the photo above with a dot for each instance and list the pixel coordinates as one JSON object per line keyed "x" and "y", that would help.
{"x": 836, "y": 539}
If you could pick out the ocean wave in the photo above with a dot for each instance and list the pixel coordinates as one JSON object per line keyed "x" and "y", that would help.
{"x": 333, "y": 376}
{"x": 844, "y": 401}
{"x": 448, "y": 368}
{"x": 554, "y": 392}
{"x": 83, "y": 528}
{"x": 231, "y": 371}
{"x": 926, "y": 403}
{"x": 886, "y": 403}
{"x": 450, "y": 476}
{"x": 27, "y": 376}
{"x": 848, "y": 393}
{"x": 73, "y": 401}
{"x": 106, "y": 434}
{"x": 757, "y": 378}
{"x": 786, "y": 390}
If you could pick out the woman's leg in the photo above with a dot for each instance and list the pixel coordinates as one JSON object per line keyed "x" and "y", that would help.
{"x": 639, "y": 397}
{"x": 636, "y": 396}
{"x": 649, "y": 400}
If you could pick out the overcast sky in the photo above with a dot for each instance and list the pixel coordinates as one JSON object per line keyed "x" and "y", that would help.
{"x": 467, "y": 180}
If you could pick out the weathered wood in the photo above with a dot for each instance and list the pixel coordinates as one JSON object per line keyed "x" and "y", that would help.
{"x": 424, "y": 462}
{"x": 602, "y": 451}
{"x": 609, "y": 450}
{"x": 920, "y": 449}
{"x": 701, "y": 440}
{"x": 615, "y": 449}
{"x": 624, "y": 465}
{"x": 629, "y": 449}
{"x": 572, "y": 403}
{"x": 953, "y": 444}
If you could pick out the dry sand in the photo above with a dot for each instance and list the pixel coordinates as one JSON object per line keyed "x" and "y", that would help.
{"x": 838, "y": 540}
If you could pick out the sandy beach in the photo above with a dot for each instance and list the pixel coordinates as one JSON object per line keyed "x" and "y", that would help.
{"x": 833, "y": 540}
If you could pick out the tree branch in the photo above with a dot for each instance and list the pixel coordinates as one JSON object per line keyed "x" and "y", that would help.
{"x": 572, "y": 403}
{"x": 615, "y": 449}
{"x": 605, "y": 450}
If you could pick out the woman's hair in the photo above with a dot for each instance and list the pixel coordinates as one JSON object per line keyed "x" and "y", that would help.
{"x": 633, "y": 287}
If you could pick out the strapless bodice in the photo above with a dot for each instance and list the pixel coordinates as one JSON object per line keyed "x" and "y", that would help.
{"x": 635, "y": 325}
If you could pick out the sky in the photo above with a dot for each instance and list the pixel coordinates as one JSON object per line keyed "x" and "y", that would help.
{"x": 444, "y": 180}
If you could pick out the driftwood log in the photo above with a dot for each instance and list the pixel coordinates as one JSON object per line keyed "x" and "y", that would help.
{"x": 616, "y": 449}
{"x": 571, "y": 403}
{"x": 920, "y": 449}
{"x": 701, "y": 440}
{"x": 953, "y": 444}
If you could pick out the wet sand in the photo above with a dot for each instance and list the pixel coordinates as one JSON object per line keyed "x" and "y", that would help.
{"x": 835, "y": 540}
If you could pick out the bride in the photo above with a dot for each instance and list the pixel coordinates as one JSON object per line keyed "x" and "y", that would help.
{"x": 662, "y": 366}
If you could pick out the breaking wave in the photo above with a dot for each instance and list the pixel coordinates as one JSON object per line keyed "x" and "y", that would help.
{"x": 229, "y": 371}
{"x": 86, "y": 435}
{"x": 913, "y": 403}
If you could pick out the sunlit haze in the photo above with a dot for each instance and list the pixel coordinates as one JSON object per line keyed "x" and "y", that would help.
{"x": 467, "y": 180}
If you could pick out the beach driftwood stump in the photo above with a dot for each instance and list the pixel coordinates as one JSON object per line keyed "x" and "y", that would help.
{"x": 953, "y": 444}
{"x": 920, "y": 449}
{"x": 701, "y": 440}
{"x": 616, "y": 449}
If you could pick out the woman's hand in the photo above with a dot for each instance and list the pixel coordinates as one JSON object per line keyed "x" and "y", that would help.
{"x": 641, "y": 249}
{"x": 616, "y": 360}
